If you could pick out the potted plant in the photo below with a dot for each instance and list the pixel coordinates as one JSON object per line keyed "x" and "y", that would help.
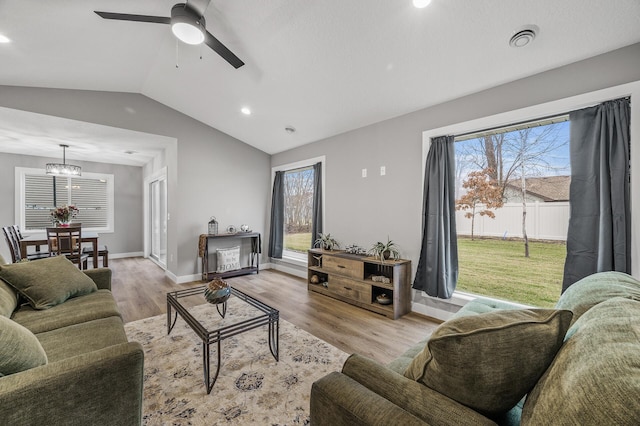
{"x": 326, "y": 242}
{"x": 385, "y": 251}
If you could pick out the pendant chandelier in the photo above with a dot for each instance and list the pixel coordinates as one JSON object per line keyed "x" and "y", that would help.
{"x": 63, "y": 169}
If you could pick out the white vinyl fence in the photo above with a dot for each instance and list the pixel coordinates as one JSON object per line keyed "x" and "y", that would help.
{"x": 545, "y": 221}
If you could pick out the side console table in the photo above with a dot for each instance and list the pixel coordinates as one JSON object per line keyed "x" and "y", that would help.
{"x": 254, "y": 255}
{"x": 384, "y": 288}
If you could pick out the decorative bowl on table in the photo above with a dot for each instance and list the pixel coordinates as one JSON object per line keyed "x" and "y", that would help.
{"x": 217, "y": 291}
{"x": 383, "y": 299}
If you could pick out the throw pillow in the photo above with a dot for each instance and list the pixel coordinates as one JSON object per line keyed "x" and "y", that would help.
{"x": 490, "y": 361}
{"x": 228, "y": 259}
{"x": 48, "y": 282}
{"x": 8, "y": 300}
{"x": 595, "y": 377}
{"x": 596, "y": 288}
{"x": 19, "y": 348}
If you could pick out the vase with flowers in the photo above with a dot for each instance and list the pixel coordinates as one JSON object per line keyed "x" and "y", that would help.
{"x": 62, "y": 215}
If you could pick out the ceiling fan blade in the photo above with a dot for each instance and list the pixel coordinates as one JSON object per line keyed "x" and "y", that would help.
{"x": 222, "y": 50}
{"x": 137, "y": 18}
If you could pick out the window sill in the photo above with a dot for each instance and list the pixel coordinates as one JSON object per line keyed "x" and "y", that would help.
{"x": 293, "y": 261}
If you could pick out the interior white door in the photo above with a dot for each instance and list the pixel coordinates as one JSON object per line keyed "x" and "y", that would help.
{"x": 158, "y": 220}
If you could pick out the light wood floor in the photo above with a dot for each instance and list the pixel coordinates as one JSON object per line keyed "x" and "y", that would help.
{"x": 139, "y": 287}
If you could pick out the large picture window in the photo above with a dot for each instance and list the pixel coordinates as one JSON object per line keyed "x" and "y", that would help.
{"x": 512, "y": 202}
{"x": 38, "y": 193}
{"x": 297, "y": 209}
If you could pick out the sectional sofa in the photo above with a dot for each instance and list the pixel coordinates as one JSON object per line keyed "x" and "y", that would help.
{"x": 64, "y": 355}
{"x": 493, "y": 363}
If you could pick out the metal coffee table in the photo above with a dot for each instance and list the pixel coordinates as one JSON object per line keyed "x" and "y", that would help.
{"x": 217, "y": 332}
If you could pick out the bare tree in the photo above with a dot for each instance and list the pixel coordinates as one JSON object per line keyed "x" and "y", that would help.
{"x": 298, "y": 191}
{"x": 514, "y": 156}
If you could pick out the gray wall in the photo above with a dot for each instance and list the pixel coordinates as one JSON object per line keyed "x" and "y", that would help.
{"x": 210, "y": 173}
{"x": 364, "y": 211}
{"x": 127, "y": 235}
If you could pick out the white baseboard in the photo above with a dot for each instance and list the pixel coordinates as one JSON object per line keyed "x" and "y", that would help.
{"x": 172, "y": 277}
{"x": 184, "y": 278}
{"x": 198, "y": 277}
{"x": 124, "y": 255}
{"x": 288, "y": 270}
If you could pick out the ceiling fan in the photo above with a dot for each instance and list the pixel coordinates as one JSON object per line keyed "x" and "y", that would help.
{"x": 187, "y": 24}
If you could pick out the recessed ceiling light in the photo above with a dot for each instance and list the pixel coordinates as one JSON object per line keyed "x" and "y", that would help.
{"x": 245, "y": 111}
{"x": 524, "y": 36}
{"x": 4, "y": 39}
{"x": 421, "y": 3}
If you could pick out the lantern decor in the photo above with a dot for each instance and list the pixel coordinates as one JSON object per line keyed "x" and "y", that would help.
{"x": 217, "y": 292}
{"x": 213, "y": 226}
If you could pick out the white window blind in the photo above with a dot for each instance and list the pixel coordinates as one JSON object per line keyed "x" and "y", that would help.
{"x": 92, "y": 195}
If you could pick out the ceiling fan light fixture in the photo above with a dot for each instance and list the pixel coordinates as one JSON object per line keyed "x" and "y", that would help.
{"x": 63, "y": 169}
{"x": 421, "y": 3}
{"x": 186, "y": 25}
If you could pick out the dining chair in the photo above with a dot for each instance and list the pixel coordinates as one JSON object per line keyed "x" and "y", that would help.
{"x": 103, "y": 252}
{"x": 31, "y": 256}
{"x": 66, "y": 242}
{"x": 13, "y": 241}
{"x": 15, "y": 250}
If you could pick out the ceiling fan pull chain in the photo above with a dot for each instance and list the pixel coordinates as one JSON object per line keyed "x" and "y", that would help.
{"x": 201, "y": 51}
{"x": 177, "y": 56}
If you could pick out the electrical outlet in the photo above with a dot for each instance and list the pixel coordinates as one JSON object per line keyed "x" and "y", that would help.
{"x": 364, "y": 173}
{"x": 383, "y": 170}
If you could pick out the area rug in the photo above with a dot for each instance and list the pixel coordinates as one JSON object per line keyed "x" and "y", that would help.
{"x": 251, "y": 389}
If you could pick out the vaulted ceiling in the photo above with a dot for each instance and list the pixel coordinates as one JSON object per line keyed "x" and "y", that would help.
{"x": 323, "y": 67}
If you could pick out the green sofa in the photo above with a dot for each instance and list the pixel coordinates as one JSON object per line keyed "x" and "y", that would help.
{"x": 69, "y": 363}
{"x": 592, "y": 377}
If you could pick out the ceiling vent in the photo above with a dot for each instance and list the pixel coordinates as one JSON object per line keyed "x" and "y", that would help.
{"x": 524, "y": 36}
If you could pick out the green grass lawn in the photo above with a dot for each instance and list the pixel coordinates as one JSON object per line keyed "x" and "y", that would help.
{"x": 498, "y": 268}
{"x": 298, "y": 242}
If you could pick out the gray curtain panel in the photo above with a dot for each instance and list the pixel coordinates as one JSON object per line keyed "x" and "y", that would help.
{"x": 316, "y": 220}
{"x": 599, "y": 235}
{"x": 277, "y": 217}
{"x": 437, "y": 272}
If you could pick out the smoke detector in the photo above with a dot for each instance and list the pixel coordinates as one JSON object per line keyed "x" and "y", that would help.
{"x": 524, "y": 36}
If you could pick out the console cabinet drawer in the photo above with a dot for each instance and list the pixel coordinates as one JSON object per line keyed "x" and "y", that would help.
{"x": 346, "y": 267}
{"x": 348, "y": 288}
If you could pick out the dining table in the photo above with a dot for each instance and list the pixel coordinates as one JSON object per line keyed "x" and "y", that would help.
{"x": 40, "y": 239}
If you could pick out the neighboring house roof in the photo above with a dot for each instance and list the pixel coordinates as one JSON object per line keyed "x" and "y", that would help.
{"x": 548, "y": 188}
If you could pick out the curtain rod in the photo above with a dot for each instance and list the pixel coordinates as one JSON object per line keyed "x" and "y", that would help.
{"x": 463, "y": 136}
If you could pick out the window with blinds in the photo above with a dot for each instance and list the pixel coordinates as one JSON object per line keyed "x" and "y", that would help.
{"x": 92, "y": 194}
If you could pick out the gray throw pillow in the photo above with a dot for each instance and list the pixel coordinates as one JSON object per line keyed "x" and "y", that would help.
{"x": 48, "y": 282}
{"x": 490, "y": 361}
{"x": 19, "y": 348}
